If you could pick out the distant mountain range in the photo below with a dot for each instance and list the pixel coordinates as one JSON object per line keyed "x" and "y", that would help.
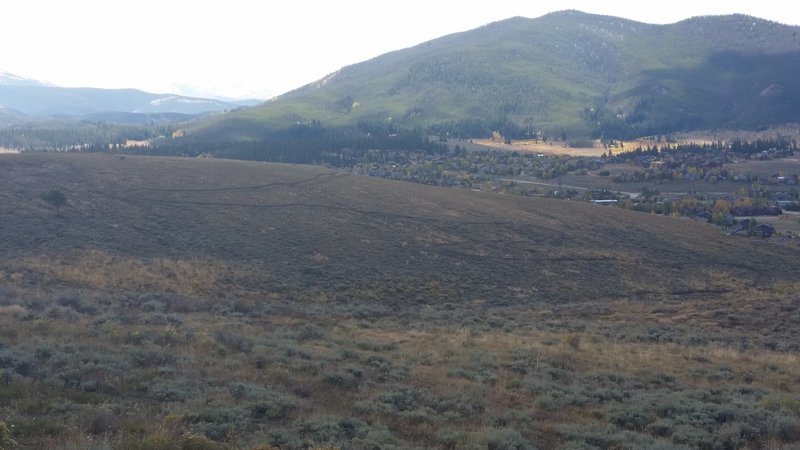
{"x": 23, "y": 99}
{"x": 9, "y": 79}
{"x": 564, "y": 74}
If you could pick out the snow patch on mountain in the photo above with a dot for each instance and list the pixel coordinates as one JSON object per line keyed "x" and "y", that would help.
{"x": 10, "y": 79}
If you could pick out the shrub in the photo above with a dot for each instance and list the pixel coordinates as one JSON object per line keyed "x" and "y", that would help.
{"x": 165, "y": 390}
{"x": 290, "y": 351}
{"x": 419, "y": 416}
{"x": 8, "y": 388}
{"x": 592, "y": 435}
{"x": 574, "y": 341}
{"x": 157, "y": 441}
{"x": 403, "y": 399}
{"x": 332, "y": 430}
{"x": 692, "y": 436}
{"x": 19, "y": 361}
{"x": 241, "y": 391}
{"x": 191, "y": 441}
{"x": 631, "y": 417}
{"x": 786, "y": 428}
{"x": 38, "y": 428}
{"x": 43, "y": 352}
{"x": 522, "y": 362}
{"x": 233, "y": 341}
{"x": 481, "y": 376}
{"x": 283, "y": 439}
{"x": 278, "y": 407}
{"x": 378, "y": 438}
{"x": 348, "y": 378}
{"x": 168, "y": 441}
{"x": 6, "y": 443}
{"x": 99, "y": 422}
{"x": 785, "y": 402}
{"x": 148, "y": 357}
{"x": 309, "y": 332}
{"x": 219, "y": 423}
{"x": 460, "y": 405}
{"x": 450, "y": 439}
{"x": 76, "y": 302}
{"x": 376, "y": 346}
{"x": 379, "y": 362}
{"x": 661, "y": 427}
{"x": 506, "y": 439}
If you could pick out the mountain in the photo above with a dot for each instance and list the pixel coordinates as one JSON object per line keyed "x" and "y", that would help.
{"x": 242, "y": 93}
{"x": 39, "y": 100}
{"x": 566, "y": 73}
{"x": 10, "y": 117}
{"x": 9, "y": 79}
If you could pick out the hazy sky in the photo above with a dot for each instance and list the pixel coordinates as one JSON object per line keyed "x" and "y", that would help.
{"x": 260, "y": 48}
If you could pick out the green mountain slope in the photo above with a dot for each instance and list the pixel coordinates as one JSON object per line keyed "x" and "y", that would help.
{"x": 564, "y": 73}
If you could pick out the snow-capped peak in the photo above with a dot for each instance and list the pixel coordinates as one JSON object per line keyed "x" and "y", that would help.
{"x": 10, "y": 79}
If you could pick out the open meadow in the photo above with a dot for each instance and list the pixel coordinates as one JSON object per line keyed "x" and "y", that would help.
{"x": 546, "y": 148}
{"x": 587, "y": 147}
{"x": 768, "y": 168}
{"x": 211, "y": 304}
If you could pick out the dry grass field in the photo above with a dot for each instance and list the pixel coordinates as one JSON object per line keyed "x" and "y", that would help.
{"x": 202, "y": 304}
{"x": 768, "y": 168}
{"x": 545, "y": 148}
{"x": 562, "y": 148}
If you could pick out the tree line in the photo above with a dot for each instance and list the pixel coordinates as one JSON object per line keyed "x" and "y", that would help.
{"x": 66, "y": 135}
{"x": 310, "y": 143}
{"x": 778, "y": 146}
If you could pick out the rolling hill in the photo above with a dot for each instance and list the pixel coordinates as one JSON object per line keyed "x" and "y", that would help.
{"x": 563, "y": 74}
{"x": 185, "y": 303}
{"x": 313, "y": 221}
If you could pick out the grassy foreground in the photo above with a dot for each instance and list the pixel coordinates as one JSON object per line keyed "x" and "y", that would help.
{"x": 176, "y": 304}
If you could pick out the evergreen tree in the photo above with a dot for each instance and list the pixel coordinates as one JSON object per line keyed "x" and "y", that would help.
{"x": 55, "y": 198}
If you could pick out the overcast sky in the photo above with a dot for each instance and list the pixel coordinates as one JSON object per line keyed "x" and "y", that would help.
{"x": 259, "y": 48}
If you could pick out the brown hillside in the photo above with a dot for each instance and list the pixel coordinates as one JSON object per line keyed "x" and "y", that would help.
{"x": 335, "y": 232}
{"x": 178, "y": 303}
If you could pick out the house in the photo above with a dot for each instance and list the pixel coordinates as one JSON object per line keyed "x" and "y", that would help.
{"x": 729, "y": 220}
{"x": 745, "y": 228}
{"x": 765, "y": 230}
{"x": 705, "y": 215}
